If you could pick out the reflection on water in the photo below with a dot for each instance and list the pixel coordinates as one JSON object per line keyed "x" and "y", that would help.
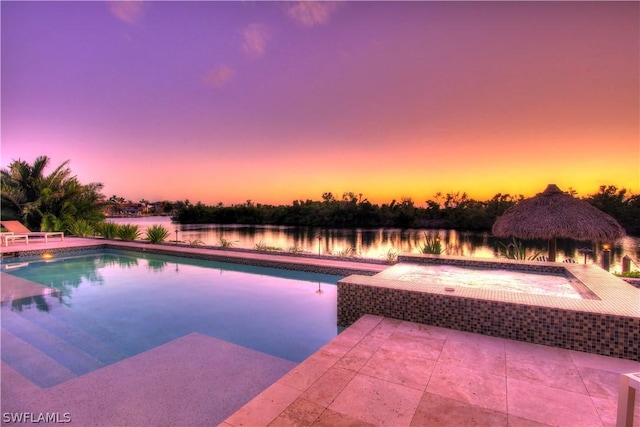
{"x": 66, "y": 275}
{"x": 157, "y": 266}
{"x": 39, "y": 301}
{"x": 375, "y": 243}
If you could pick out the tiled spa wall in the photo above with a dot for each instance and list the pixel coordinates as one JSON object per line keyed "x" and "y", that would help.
{"x": 608, "y": 335}
{"x": 592, "y": 332}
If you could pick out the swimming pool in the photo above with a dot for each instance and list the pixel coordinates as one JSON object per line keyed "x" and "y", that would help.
{"x": 111, "y": 305}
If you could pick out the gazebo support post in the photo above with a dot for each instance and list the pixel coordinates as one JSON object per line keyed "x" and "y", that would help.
{"x": 552, "y": 250}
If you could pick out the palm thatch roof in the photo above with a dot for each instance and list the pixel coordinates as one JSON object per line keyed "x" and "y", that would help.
{"x": 554, "y": 214}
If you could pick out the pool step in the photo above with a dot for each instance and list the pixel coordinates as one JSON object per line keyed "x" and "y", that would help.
{"x": 74, "y": 336}
{"x": 33, "y": 364}
{"x": 67, "y": 355}
{"x": 94, "y": 328}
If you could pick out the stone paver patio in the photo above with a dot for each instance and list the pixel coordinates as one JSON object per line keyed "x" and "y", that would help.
{"x": 384, "y": 371}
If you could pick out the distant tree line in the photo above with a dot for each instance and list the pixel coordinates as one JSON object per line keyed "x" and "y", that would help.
{"x": 454, "y": 211}
{"x": 619, "y": 204}
{"x": 59, "y": 202}
{"x": 450, "y": 211}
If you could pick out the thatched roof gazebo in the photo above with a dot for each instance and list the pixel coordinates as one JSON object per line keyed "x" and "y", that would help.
{"x": 554, "y": 214}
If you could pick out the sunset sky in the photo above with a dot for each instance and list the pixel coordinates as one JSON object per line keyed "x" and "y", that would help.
{"x": 278, "y": 101}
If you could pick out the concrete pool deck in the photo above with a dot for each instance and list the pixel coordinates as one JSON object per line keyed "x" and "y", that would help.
{"x": 379, "y": 371}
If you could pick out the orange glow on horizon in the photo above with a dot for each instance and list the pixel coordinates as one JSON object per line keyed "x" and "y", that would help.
{"x": 384, "y": 99}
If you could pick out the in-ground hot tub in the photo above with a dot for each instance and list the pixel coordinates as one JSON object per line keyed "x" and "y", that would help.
{"x": 558, "y": 284}
{"x": 603, "y": 318}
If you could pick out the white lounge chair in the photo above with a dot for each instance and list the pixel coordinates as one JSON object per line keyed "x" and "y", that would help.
{"x": 8, "y": 236}
{"x": 20, "y": 231}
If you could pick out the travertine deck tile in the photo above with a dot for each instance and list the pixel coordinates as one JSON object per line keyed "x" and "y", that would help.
{"x": 558, "y": 375}
{"x": 535, "y": 353}
{"x": 356, "y": 358}
{"x": 339, "y": 346}
{"x": 422, "y": 331}
{"x": 379, "y": 334}
{"x": 366, "y": 324}
{"x": 426, "y": 348}
{"x": 265, "y": 407}
{"x": 377, "y": 401}
{"x": 309, "y": 371}
{"x": 326, "y": 389}
{"x": 523, "y": 422}
{"x": 605, "y": 363}
{"x": 474, "y": 351}
{"x": 599, "y": 382}
{"x": 608, "y": 411}
{"x": 330, "y": 418}
{"x": 437, "y": 411}
{"x": 400, "y": 368}
{"x": 468, "y": 385}
{"x": 300, "y": 413}
{"x": 550, "y": 405}
{"x": 549, "y": 366}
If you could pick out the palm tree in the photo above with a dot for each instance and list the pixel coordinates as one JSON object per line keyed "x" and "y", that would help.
{"x": 49, "y": 202}
{"x": 20, "y": 185}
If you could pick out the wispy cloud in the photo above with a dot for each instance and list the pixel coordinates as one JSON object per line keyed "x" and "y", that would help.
{"x": 254, "y": 39}
{"x": 127, "y": 11}
{"x": 311, "y": 13}
{"x": 218, "y": 76}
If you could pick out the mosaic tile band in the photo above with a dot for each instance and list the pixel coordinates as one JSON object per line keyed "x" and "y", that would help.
{"x": 612, "y": 331}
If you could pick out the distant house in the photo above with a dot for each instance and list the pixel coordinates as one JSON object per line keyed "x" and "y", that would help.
{"x": 131, "y": 209}
{"x": 157, "y": 207}
{"x": 113, "y": 208}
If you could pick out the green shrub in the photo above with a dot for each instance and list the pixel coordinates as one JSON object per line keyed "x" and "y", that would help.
{"x": 81, "y": 228}
{"x": 431, "y": 245}
{"x": 262, "y": 246}
{"x": 631, "y": 274}
{"x": 516, "y": 250}
{"x": 346, "y": 253}
{"x": 391, "y": 255}
{"x": 157, "y": 233}
{"x": 107, "y": 229}
{"x": 295, "y": 249}
{"x": 195, "y": 242}
{"x": 225, "y": 243}
{"x": 51, "y": 223}
{"x": 128, "y": 232}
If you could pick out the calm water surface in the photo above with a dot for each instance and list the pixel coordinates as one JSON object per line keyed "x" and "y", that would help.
{"x": 114, "y": 304}
{"x": 377, "y": 242}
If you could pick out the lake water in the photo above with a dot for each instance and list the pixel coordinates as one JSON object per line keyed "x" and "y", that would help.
{"x": 374, "y": 243}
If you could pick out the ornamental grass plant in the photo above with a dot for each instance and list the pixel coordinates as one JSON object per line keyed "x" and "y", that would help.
{"x": 156, "y": 234}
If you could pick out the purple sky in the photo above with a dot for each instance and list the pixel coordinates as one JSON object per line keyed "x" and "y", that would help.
{"x": 276, "y": 101}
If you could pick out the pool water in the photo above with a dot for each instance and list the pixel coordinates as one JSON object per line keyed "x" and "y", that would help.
{"x": 113, "y": 305}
